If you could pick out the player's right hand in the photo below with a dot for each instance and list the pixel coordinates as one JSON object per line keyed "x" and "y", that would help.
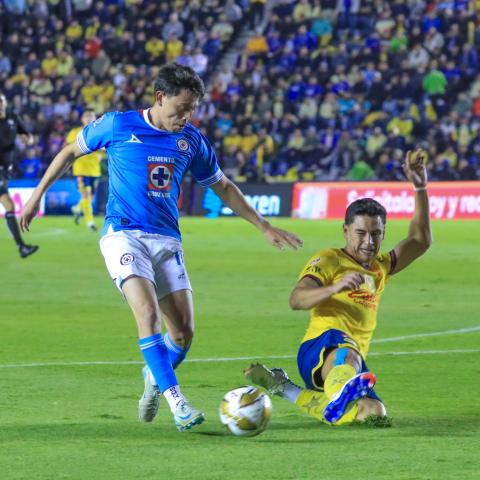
{"x": 415, "y": 169}
{"x": 351, "y": 281}
{"x": 28, "y": 214}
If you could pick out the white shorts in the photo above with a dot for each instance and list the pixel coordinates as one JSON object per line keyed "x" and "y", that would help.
{"x": 158, "y": 258}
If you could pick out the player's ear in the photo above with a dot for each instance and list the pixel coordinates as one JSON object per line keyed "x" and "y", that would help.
{"x": 159, "y": 96}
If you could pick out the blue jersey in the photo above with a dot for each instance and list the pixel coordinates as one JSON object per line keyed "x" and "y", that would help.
{"x": 146, "y": 166}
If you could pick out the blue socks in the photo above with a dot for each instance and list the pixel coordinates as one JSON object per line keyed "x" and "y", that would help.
{"x": 157, "y": 358}
{"x": 177, "y": 354}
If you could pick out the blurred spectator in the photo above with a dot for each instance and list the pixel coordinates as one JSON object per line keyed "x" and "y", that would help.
{"x": 360, "y": 171}
{"x": 232, "y": 11}
{"x": 223, "y": 29}
{"x": 329, "y": 83}
{"x": 174, "y": 47}
{"x": 29, "y": 166}
{"x": 468, "y": 169}
{"x": 257, "y": 44}
{"x": 257, "y": 9}
{"x": 174, "y": 27}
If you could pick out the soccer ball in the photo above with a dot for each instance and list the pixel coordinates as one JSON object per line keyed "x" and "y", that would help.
{"x": 246, "y": 411}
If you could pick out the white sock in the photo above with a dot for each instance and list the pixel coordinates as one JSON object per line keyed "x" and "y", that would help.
{"x": 174, "y": 397}
{"x": 291, "y": 391}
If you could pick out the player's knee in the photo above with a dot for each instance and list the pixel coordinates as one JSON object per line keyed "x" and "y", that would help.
{"x": 354, "y": 359}
{"x": 368, "y": 407}
{"x": 183, "y": 337}
{"x": 147, "y": 314}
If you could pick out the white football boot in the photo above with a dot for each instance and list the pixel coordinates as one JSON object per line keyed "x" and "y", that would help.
{"x": 273, "y": 380}
{"x": 150, "y": 400}
{"x": 186, "y": 416}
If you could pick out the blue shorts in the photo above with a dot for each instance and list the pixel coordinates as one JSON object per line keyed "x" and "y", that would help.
{"x": 84, "y": 181}
{"x": 312, "y": 354}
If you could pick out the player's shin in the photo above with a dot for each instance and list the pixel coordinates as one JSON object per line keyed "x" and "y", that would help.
{"x": 176, "y": 353}
{"x": 157, "y": 358}
{"x": 340, "y": 374}
{"x": 12, "y": 225}
{"x": 87, "y": 209}
{"x": 337, "y": 378}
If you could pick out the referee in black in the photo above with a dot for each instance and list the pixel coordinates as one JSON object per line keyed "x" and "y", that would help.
{"x": 10, "y": 125}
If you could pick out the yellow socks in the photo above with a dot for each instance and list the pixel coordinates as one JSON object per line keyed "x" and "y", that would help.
{"x": 87, "y": 209}
{"x": 313, "y": 403}
{"x": 337, "y": 378}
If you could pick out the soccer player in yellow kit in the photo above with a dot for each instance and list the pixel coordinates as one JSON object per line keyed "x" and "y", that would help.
{"x": 342, "y": 288}
{"x": 87, "y": 170}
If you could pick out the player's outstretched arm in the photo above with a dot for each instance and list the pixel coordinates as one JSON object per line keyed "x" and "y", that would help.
{"x": 60, "y": 164}
{"x": 419, "y": 236}
{"x": 233, "y": 197}
{"x": 310, "y": 292}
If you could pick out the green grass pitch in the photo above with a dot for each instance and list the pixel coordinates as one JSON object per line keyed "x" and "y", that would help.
{"x": 79, "y": 421}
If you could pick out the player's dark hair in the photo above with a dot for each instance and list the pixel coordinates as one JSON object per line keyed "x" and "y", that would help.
{"x": 174, "y": 77}
{"x": 365, "y": 206}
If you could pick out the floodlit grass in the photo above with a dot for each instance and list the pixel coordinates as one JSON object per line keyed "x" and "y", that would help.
{"x": 79, "y": 421}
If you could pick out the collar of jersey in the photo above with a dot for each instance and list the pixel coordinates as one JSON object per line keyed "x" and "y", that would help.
{"x": 366, "y": 267}
{"x": 149, "y": 123}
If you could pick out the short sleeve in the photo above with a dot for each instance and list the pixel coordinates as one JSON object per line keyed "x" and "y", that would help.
{"x": 98, "y": 134}
{"x": 204, "y": 166}
{"x": 320, "y": 267}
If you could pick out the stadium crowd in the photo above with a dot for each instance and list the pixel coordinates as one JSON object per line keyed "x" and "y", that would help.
{"x": 324, "y": 90}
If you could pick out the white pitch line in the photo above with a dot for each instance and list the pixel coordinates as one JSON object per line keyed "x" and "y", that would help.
{"x": 273, "y": 357}
{"x": 229, "y": 359}
{"x": 51, "y": 233}
{"x": 431, "y": 334}
{"x": 426, "y": 352}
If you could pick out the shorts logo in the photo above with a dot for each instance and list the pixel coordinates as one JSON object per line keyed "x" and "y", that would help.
{"x": 159, "y": 176}
{"x": 182, "y": 144}
{"x": 127, "y": 259}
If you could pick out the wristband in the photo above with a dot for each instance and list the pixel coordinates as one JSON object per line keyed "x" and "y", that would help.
{"x": 419, "y": 189}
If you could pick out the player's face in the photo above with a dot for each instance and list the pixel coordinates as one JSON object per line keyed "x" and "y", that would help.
{"x": 3, "y": 105}
{"x": 176, "y": 111}
{"x": 88, "y": 117}
{"x": 364, "y": 237}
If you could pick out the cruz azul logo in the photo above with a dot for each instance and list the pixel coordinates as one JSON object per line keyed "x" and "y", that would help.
{"x": 160, "y": 176}
{"x": 182, "y": 144}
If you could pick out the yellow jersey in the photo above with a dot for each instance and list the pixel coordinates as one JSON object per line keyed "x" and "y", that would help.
{"x": 352, "y": 312}
{"x": 88, "y": 165}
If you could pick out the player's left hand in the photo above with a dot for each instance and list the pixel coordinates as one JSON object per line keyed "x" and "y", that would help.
{"x": 414, "y": 168}
{"x": 281, "y": 238}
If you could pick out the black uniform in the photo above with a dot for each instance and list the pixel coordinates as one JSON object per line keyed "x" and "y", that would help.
{"x": 9, "y": 127}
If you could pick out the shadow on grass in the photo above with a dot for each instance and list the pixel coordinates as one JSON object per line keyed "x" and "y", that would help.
{"x": 465, "y": 425}
{"x": 113, "y": 428}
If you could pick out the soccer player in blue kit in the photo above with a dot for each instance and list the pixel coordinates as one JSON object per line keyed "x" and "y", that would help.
{"x": 149, "y": 151}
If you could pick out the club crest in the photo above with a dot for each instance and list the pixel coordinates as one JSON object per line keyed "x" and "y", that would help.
{"x": 182, "y": 144}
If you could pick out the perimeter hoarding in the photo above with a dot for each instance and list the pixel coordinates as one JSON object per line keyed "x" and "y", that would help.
{"x": 270, "y": 200}
{"x": 58, "y": 200}
{"x": 448, "y": 200}
{"x": 20, "y": 197}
